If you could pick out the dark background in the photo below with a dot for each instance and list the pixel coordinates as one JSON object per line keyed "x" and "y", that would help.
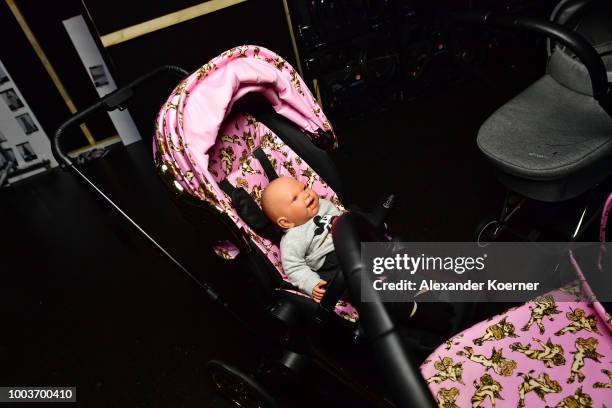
{"x": 31, "y": 76}
{"x": 86, "y": 301}
{"x": 188, "y": 45}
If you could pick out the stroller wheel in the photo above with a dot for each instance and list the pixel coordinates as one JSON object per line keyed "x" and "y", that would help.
{"x": 487, "y": 231}
{"x": 238, "y": 387}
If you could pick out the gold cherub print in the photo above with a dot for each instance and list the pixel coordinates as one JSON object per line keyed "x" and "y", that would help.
{"x": 576, "y": 400}
{"x": 487, "y": 388}
{"x": 550, "y": 353}
{"x": 579, "y": 321}
{"x": 499, "y": 364}
{"x": 585, "y": 349}
{"x": 227, "y": 159}
{"x": 541, "y": 385}
{"x": 447, "y": 397}
{"x": 248, "y": 139}
{"x": 447, "y": 370}
{"x": 496, "y": 332}
{"x": 245, "y": 164}
{"x": 268, "y": 140}
{"x": 544, "y": 306}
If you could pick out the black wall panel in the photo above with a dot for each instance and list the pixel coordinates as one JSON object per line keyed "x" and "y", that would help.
{"x": 189, "y": 44}
{"x": 113, "y": 15}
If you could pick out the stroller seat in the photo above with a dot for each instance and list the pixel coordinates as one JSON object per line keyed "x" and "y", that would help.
{"x": 212, "y": 153}
{"x": 553, "y": 141}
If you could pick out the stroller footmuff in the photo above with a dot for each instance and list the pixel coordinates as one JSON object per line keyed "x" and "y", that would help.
{"x": 543, "y": 353}
{"x": 552, "y": 351}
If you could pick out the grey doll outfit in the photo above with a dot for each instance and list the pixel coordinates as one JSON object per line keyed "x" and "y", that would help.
{"x": 308, "y": 255}
{"x": 305, "y": 247}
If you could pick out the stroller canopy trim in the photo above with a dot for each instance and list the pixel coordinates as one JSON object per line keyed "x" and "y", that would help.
{"x": 189, "y": 122}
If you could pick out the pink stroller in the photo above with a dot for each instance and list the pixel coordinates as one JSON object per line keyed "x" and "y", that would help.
{"x": 224, "y": 157}
{"x": 216, "y": 149}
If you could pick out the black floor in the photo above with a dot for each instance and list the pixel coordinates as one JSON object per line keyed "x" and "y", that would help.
{"x": 89, "y": 303}
{"x": 86, "y": 302}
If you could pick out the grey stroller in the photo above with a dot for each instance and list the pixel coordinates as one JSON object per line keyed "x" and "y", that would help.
{"x": 553, "y": 141}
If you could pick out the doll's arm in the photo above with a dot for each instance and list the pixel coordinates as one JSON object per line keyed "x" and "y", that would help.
{"x": 298, "y": 273}
{"x": 319, "y": 291}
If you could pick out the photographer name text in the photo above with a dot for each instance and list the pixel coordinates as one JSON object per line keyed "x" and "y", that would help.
{"x": 469, "y": 285}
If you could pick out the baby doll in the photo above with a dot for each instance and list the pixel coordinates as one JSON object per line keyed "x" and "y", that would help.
{"x": 306, "y": 247}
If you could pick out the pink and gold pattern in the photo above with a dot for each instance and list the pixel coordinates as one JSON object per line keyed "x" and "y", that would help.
{"x": 526, "y": 368}
{"x": 201, "y": 141}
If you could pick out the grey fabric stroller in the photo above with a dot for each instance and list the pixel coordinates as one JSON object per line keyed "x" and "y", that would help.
{"x": 553, "y": 141}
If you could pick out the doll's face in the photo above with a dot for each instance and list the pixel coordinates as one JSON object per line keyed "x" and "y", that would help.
{"x": 289, "y": 203}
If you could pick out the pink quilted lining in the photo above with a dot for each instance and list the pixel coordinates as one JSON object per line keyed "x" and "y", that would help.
{"x": 544, "y": 353}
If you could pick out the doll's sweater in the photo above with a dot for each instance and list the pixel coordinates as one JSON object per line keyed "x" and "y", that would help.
{"x": 303, "y": 248}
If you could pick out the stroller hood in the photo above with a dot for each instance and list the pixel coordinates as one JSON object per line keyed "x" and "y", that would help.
{"x": 189, "y": 123}
{"x": 201, "y": 143}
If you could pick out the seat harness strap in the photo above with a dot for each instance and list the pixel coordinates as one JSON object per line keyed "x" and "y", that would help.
{"x": 247, "y": 208}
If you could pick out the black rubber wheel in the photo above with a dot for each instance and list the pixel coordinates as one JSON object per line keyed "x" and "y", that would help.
{"x": 486, "y": 231}
{"x": 238, "y": 387}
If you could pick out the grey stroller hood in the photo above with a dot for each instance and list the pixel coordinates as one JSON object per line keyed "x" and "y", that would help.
{"x": 553, "y": 141}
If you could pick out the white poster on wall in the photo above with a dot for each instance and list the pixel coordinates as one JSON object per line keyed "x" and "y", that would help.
{"x": 98, "y": 72}
{"x": 21, "y": 136}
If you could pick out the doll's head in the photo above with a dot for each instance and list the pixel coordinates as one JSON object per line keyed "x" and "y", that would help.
{"x": 289, "y": 203}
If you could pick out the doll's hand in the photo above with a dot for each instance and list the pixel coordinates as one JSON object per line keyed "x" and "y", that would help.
{"x": 319, "y": 291}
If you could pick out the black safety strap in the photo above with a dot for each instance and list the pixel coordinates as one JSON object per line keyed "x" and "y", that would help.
{"x": 250, "y": 212}
{"x": 265, "y": 164}
{"x": 310, "y": 150}
{"x": 227, "y": 187}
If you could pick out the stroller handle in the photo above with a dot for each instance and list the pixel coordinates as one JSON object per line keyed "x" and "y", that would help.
{"x": 406, "y": 384}
{"x": 602, "y": 90}
{"x": 110, "y": 102}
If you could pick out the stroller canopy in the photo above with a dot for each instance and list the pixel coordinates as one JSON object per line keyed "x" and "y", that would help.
{"x": 555, "y": 131}
{"x": 203, "y": 144}
{"x": 190, "y": 121}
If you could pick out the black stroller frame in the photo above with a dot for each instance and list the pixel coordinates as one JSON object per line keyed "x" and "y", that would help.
{"x": 232, "y": 382}
{"x": 490, "y": 228}
{"x": 406, "y": 386}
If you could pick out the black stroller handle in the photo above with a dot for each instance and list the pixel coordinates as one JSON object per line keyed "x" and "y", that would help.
{"x": 110, "y": 102}
{"x": 602, "y": 90}
{"x": 400, "y": 370}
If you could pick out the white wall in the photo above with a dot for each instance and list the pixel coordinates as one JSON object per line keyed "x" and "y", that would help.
{"x": 90, "y": 57}
{"x": 15, "y": 135}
